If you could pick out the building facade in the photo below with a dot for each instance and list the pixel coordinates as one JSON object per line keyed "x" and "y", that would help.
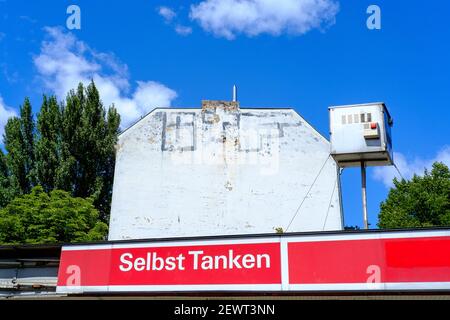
{"x": 223, "y": 170}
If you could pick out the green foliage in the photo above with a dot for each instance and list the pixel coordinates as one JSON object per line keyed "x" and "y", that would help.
{"x": 41, "y": 217}
{"x": 420, "y": 202}
{"x": 27, "y": 127}
{"x": 15, "y": 157}
{"x": 68, "y": 152}
{"x": 6, "y": 190}
{"x": 48, "y": 143}
{"x": 88, "y": 138}
{"x": 19, "y": 142}
{"x": 278, "y": 230}
{"x": 70, "y": 148}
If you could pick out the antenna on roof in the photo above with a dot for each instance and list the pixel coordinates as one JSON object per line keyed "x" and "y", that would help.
{"x": 234, "y": 93}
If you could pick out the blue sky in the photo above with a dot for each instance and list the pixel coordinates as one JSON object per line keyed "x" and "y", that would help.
{"x": 277, "y": 56}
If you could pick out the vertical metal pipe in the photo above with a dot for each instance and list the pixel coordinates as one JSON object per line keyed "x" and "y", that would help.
{"x": 364, "y": 194}
{"x": 234, "y": 93}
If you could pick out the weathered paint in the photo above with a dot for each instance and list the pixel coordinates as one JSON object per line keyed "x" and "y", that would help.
{"x": 222, "y": 170}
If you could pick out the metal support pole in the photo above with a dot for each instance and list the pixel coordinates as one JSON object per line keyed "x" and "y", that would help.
{"x": 364, "y": 194}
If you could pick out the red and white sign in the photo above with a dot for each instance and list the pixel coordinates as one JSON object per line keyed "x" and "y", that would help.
{"x": 356, "y": 261}
{"x": 218, "y": 265}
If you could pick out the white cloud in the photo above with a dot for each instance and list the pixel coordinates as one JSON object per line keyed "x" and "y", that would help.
{"x": 167, "y": 13}
{"x": 409, "y": 168}
{"x": 5, "y": 113}
{"x": 183, "y": 30}
{"x": 169, "y": 16}
{"x": 228, "y": 18}
{"x": 64, "y": 61}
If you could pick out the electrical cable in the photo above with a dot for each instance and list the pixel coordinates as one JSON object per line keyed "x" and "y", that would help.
{"x": 307, "y": 193}
{"x": 399, "y": 171}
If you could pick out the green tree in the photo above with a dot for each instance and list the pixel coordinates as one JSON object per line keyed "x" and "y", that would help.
{"x": 41, "y": 217}
{"x": 19, "y": 142}
{"x": 71, "y": 148}
{"x": 71, "y": 112}
{"x": 15, "y": 157}
{"x": 48, "y": 143}
{"x": 423, "y": 201}
{"x": 88, "y": 139}
{"x": 6, "y": 189}
{"x": 27, "y": 127}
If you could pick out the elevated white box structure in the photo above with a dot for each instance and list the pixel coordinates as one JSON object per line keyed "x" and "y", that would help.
{"x": 361, "y": 133}
{"x": 223, "y": 170}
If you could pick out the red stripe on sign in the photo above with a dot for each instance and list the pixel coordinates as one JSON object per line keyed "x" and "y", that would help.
{"x": 331, "y": 261}
{"x": 359, "y": 261}
{"x": 417, "y": 260}
{"x": 181, "y": 265}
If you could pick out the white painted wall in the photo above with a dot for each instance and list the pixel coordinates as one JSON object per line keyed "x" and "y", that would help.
{"x": 188, "y": 172}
